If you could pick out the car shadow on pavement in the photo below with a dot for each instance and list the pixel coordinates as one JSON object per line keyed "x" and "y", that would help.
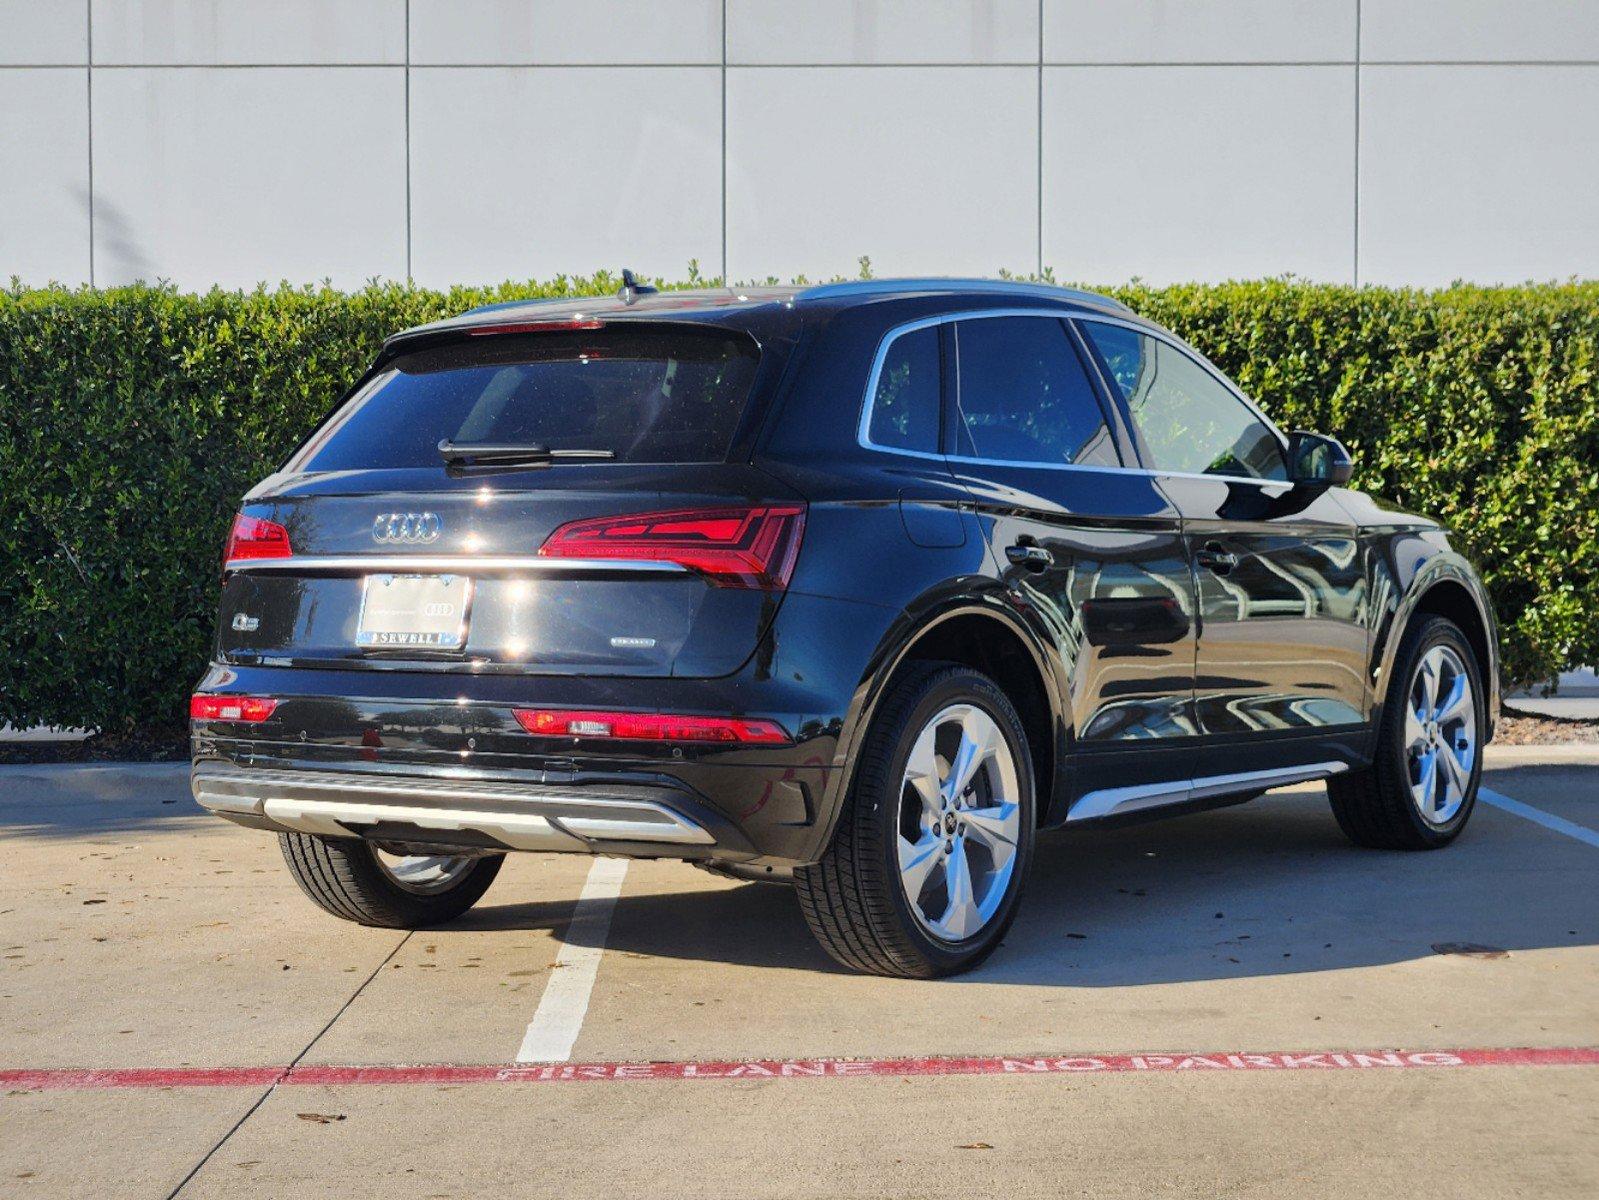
{"x": 1270, "y": 888}
{"x": 752, "y": 924}
{"x": 61, "y": 801}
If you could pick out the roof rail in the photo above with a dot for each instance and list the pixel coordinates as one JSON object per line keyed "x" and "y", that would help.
{"x": 881, "y": 287}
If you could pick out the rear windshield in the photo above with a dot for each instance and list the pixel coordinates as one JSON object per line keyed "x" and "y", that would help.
{"x": 647, "y": 396}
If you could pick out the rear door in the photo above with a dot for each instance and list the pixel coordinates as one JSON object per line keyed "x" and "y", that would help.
{"x": 649, "y": 555}
{"x": 1092, "y": 551}
{"x": 1279, "y": 578}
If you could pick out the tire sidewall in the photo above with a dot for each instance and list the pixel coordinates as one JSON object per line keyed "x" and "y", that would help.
{"x": 1434, "y": 632}
{"x": 956, "y": 685}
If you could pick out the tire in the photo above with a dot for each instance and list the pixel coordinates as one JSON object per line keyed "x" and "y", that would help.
{"x": 1378, "y": 807}
{"x": 346, "y": 877}
{"x": 857, "y": 902}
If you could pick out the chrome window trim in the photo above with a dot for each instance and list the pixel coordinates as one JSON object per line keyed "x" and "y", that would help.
{"x": 864, "y": 424}
{"x": 954, "y": 459}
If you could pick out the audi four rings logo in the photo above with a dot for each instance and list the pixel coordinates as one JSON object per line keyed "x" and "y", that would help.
{"x": 409, "y": 529}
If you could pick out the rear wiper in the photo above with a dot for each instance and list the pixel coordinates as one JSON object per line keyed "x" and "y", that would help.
{"x": 487, "y": 454}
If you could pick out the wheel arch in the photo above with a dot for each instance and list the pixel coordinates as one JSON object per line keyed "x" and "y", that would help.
{"x": 981, "y": 633}
{"x": 1447, "y": 588}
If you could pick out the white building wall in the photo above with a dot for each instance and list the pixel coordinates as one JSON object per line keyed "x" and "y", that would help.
{"x": 465, "y": 141}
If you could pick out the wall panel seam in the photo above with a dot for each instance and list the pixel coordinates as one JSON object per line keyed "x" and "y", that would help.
{"x": 88, "y": 84}
{"x": 725, "y": 279}
{"x": 409, "y": 275}
{"x": 1355, "y": 250}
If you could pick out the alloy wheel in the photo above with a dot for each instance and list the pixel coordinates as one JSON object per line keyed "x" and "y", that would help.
{"x": 1440, "y": 735}
{"x": 959, "y": 823}
{"x": 424, "y": 874}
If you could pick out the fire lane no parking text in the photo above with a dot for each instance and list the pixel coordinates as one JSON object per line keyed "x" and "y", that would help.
{"x": 622, "y": 1072}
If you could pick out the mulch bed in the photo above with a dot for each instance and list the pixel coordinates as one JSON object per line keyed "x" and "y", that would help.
{"x": 143, "y": 745}
{"x": 1524, "y": 729}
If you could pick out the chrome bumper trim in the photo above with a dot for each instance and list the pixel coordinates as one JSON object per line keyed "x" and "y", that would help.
{"x": 449, "y": 564}
{"x": 522, "y": 816}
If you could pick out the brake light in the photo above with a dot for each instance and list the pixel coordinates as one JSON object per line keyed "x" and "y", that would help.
{"x": 251, "y": 537}
{"x": 536, "y": 326}
{"x": 647, "y": 727}
{"x": 230, "y": 708}
{"x": 731, "y": 547}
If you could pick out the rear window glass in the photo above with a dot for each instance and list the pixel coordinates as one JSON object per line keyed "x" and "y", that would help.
{"x": 1024, "y": 396}
{"x": 647, "y": 396}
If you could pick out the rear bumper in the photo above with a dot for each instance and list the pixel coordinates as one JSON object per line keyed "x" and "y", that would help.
{"x": 768, "y": 803}
{"x": 470, "y": 812}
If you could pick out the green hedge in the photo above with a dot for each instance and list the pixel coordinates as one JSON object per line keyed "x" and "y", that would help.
{"x": 131, "y": 420}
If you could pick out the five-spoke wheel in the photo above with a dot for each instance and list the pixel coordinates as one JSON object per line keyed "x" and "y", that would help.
{"x": 958, "y": 822}
{"x": 1422, "y": 784}
{"x": 1440, "y": 734}
{"x": 927, "y": 862}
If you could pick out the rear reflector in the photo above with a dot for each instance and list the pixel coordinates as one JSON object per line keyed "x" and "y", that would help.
{"x": 252, "y": 537}
{"x": 647, "y": 727}
{"x": 731, "y": 547}
{"x": 230, "y": 708}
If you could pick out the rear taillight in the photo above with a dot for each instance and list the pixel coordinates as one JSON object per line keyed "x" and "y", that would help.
{"x": 230, "y": 708}
{"x": 252, "y": 537}
{"x": 647, "y": 727}
{"x": 731, "y": 547}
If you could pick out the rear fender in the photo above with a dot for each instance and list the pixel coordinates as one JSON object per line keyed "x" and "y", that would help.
{"x": 899, "y": 645}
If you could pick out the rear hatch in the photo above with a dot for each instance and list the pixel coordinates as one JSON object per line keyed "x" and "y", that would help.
{"x": 529, "y": 500}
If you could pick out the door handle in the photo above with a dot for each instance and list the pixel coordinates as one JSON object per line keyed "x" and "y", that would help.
{"x": 1030, "y": 557}
{"x": 1217, "y": 558}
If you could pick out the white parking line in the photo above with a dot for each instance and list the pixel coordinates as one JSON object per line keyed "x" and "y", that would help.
{"x": 1548, "y": 820}
{"x": 559, "y": 1019}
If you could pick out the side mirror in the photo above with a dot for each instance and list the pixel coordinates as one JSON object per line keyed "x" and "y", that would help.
{"x": 1316, "y": 458}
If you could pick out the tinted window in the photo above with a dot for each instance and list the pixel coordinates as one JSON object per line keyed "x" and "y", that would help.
{"x": 1025, "y": 397}
{"x": 1189, "y": 420}
{"x": 647, "y": 396}
{"x": 905, "y": 406}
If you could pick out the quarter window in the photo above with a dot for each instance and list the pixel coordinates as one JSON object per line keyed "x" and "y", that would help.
{"x": 1189, "y": 421}
{"x": 1025, "y": 397}
{"x": 905, "y": 406}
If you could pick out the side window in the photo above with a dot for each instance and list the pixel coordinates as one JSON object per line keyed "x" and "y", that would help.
{"x": 1024, "y": 395}
{"x": 905, "y": 406}
{"x": 1190, "y": 422}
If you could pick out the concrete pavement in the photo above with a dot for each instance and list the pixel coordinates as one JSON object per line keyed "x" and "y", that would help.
{"x": 135, "y": 932}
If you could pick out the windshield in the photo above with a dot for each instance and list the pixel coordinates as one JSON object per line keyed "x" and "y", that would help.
{"x": 647, "y": 396}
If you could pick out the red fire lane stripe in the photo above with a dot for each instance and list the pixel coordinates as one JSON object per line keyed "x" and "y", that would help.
{"x": 1083, "y": 1064}
{"x": 140, "y": 1077}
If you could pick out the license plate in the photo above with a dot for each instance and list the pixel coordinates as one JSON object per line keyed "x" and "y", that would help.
{"x": 425, "y": 611}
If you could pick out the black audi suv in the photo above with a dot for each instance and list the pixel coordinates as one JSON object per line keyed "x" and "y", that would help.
{"x": 854, "y": 588}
